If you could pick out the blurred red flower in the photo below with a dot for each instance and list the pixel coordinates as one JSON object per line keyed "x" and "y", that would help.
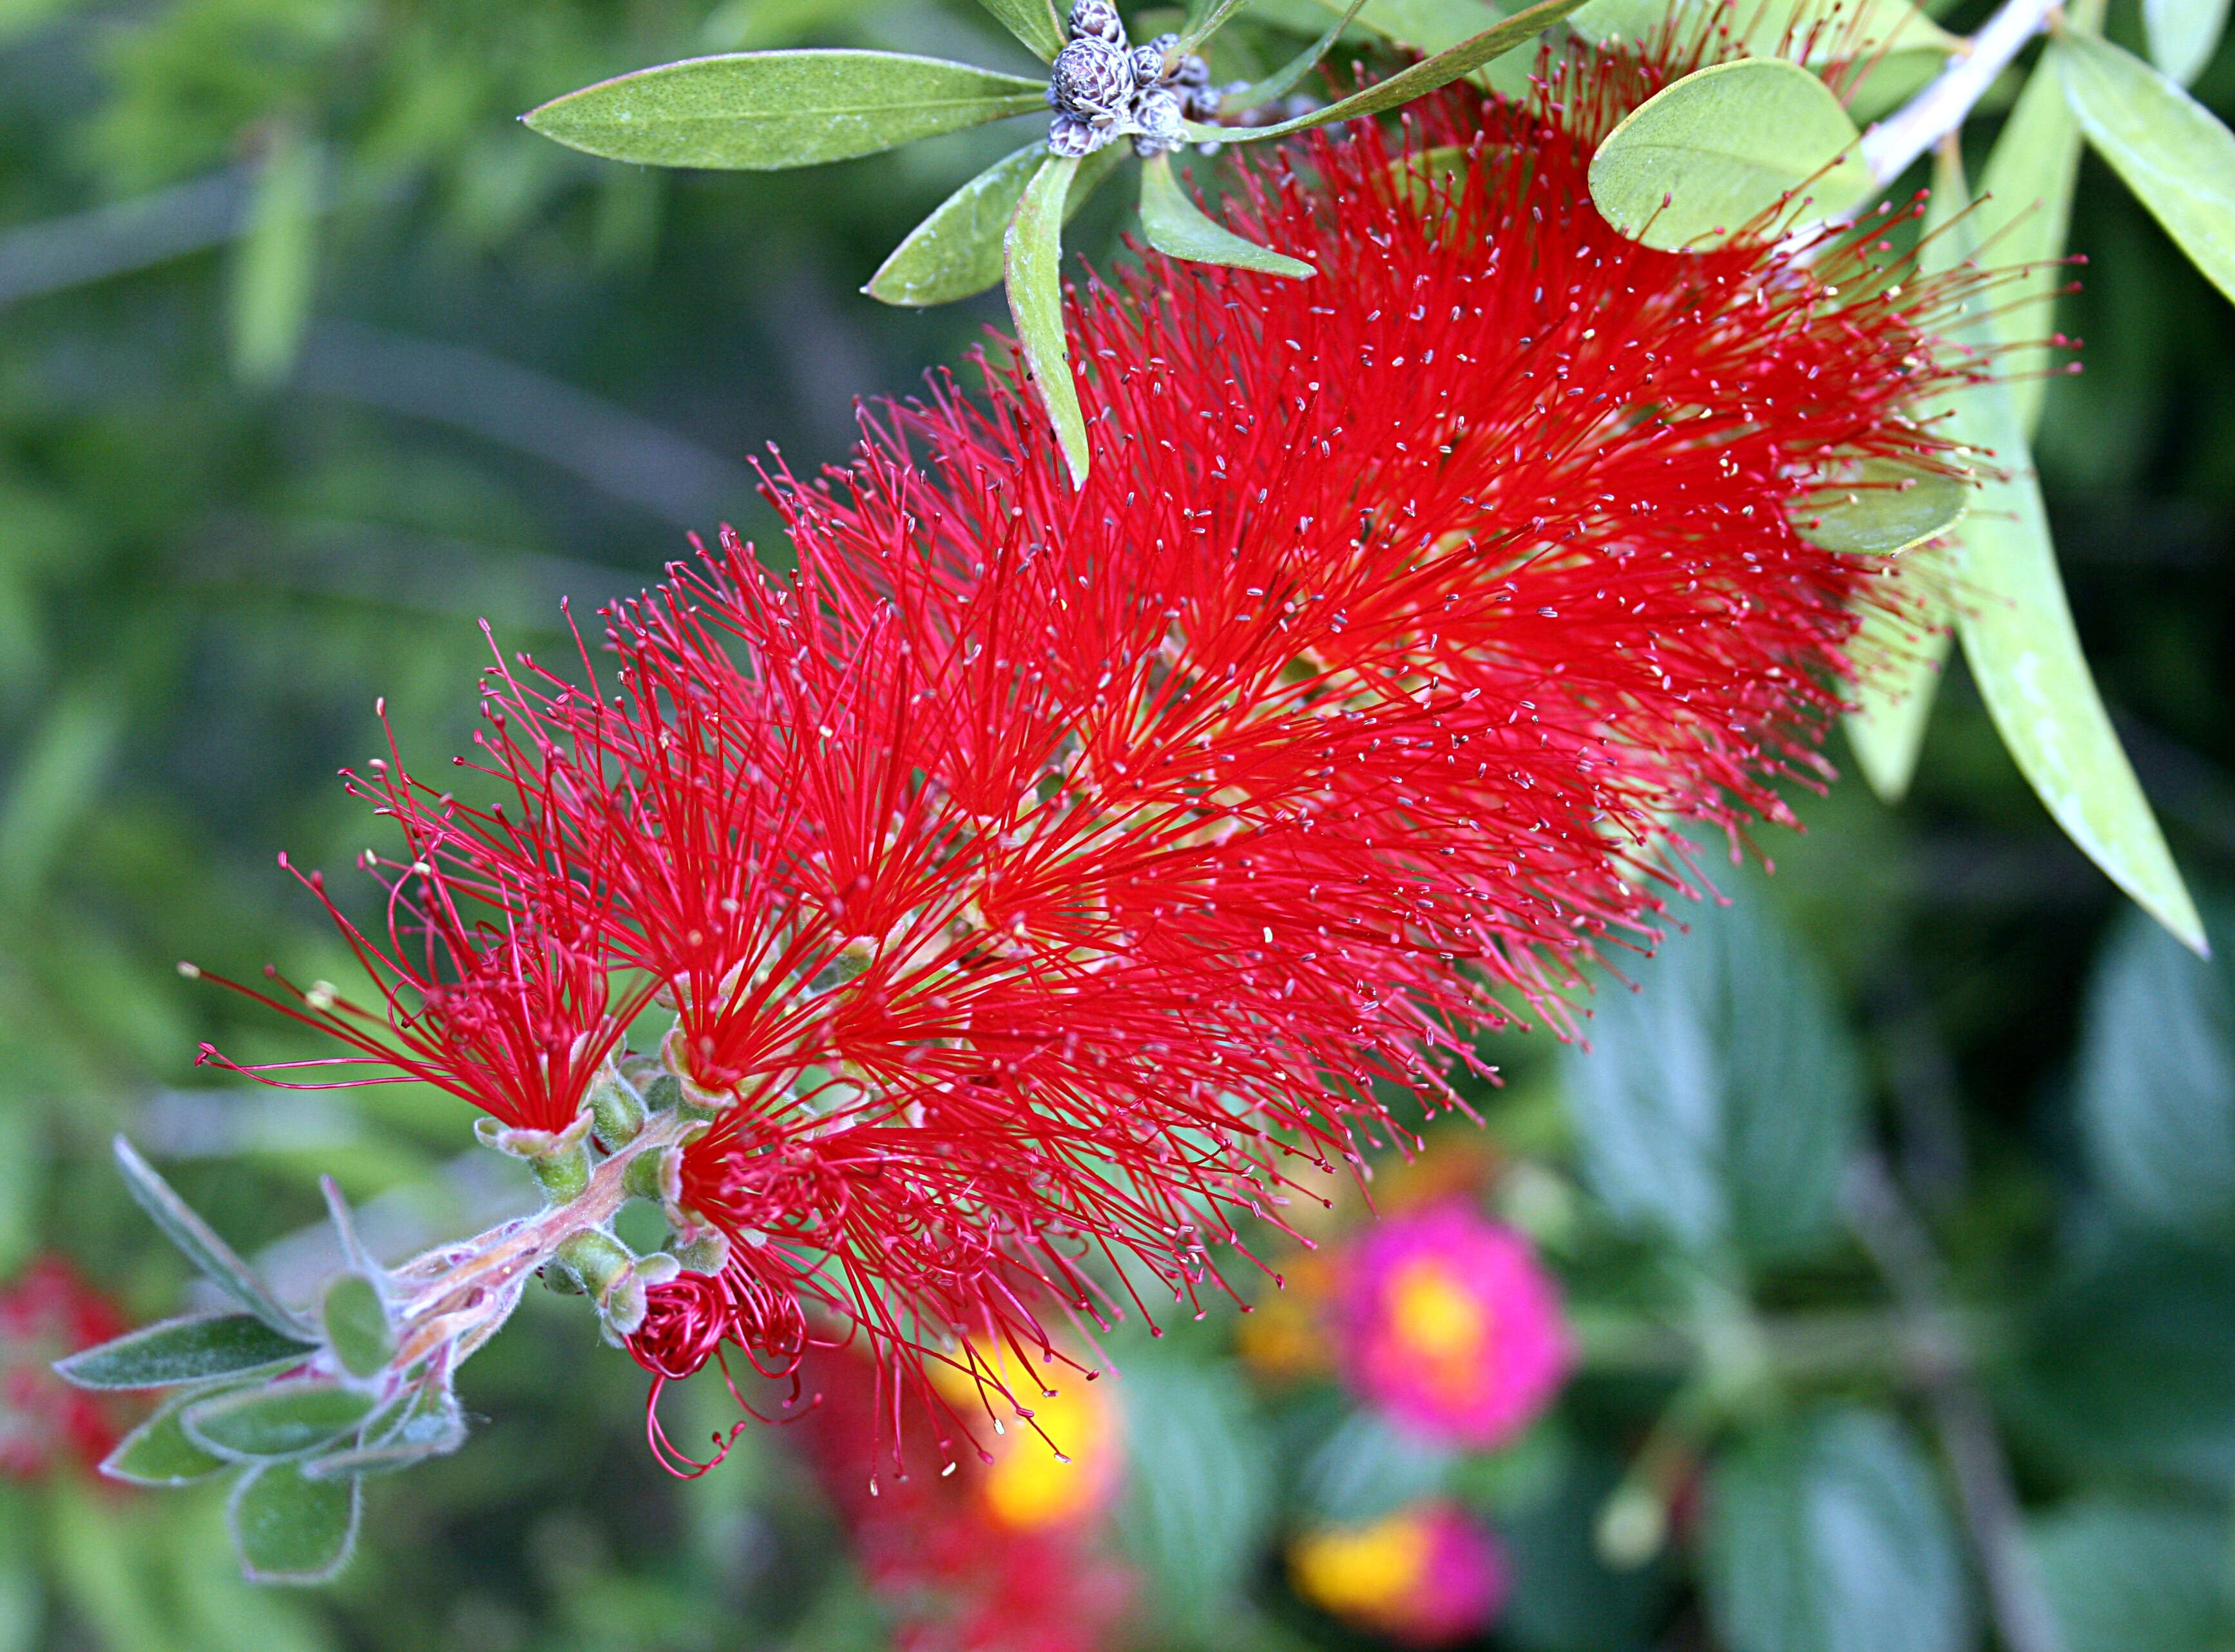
{"x": 48, "y": 1312}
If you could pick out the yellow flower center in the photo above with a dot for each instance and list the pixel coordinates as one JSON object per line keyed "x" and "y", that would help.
{"x": 1361, "y": 1570}
{"x": 1435, "y": 1315}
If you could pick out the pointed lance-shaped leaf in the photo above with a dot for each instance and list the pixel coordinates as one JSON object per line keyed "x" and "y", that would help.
{"x": 2025, "y": 654}
{"x": 278, "y": 1419}
{"x": 288, "y": 1529}
{"x": 1200, "y": 28}
{"x": 1282, "y": 80}
{"x": 1724, "y": 149}
{"x": 185, "y": 1350}
{"x": 1175, "y": 226}
{"x": 760, "y": 111}
{"x": 1034, "y": 22}
{"x": 198, "y": 1243}
{"x": 2183, "y": 34}
{"x": 2172, "y": 152}
{"x": 1808, "y": 30}
{"x": 158, "y": 1452}
{"x": 956, "y": 253}
{"x": 1032, "y": 258}
{"x": 1403, "y": 87}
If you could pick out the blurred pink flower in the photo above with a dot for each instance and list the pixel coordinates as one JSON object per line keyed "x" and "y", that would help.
{"x": 1425, "y": 1576}
{"x": 1446, "y": 1321}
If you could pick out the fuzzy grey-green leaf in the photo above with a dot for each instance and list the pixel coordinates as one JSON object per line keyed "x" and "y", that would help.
{"x": 760, "y": 111}
{"x": 183, "y": 1350}
{"x": 2174, "y": 155}
{"x": 1721, "y": 150}
{"x": 291, "y": 1530}
{"x": 1175, "y": 226}
{"x": 1033, "y": 260}
{"x": 357, "y": 1326}
{"x": 198, "y": 1242}
{"x": 426, "y": 1424}
{"x": 1033, "y": 21}
{"x": 158, "y": 1452}
{"x": 956, "y": 251}
{"x": 279, "y": 1420}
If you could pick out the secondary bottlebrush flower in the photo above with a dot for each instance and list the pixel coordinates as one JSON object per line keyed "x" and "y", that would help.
{"x": 1447, "y": 1322}
{"x": 46, "y": 1312}
{"x": 1038, "y": 878}
{"x": 1425, "y": 1576}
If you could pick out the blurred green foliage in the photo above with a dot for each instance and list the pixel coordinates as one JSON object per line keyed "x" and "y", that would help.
{"x": 310, "y": 357}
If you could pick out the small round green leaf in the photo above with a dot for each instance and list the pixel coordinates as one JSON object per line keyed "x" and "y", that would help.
{"x": 290, "y": 1529}
{"x": 158, "y": 1452}
{"x": 188, "y": 1350}
{"x": 1722, "y": 150}
{"x": 1177, "y": 227}
{"x": 356, "y": 1325}
{"x": 1885, "y": 508}
{"x": 278, "y": 1419}
{"x": 759, "y": 111}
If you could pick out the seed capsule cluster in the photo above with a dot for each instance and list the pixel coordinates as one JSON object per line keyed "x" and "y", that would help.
{"x": 1103, "y": 87}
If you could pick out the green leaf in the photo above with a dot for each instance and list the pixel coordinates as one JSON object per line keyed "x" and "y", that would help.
{"x": 1884, "y": 509}
{"x": 2024, "y": 653}
{"x": 158, "y": 1452}
{"x": 1033, "y": 259}
{"x": 2128, "y": 1366}
{"x": 424, "y": 1422}
{"x": 1282, "y": 80}
{"x": 1368, "y": 1467}
{"x": 1214, "y": 19}
{"x": 2174, "y": 155}
{"x": 1427, "y": 26}
{"x": 356, "y": 1325}
{"x": 2183, "y": 34}
{"x": 184, "y": 1350}
{"x": 956, "y": 253}
{"x": 279, "y": 1420}
{"x": 1717, "y": 153}
{"x": 1033, "y": 21}
{"x": 200, "y": 1245}
{"x": 1829, "y": 1534}
{"x": 2027, "y": 210}
{"x": 2129, "y": 1578}
{"x": 1718, "y": 1104}
{"x": 290, "y": 1529}
{"x": 758, "y": 111}
{"x": 1199, "y": 1500}
{"x": 1860, "y": 29}
{"x": 1177, "y": 227}
{"x": 1418, "y": 80}
{"x": 2155, "y": 1081}
{"x": 275, "y": 265}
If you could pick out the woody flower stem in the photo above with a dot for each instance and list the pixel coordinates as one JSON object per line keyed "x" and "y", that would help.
{"x": 1890, "y": 145}
{"x": 462, "y": 1293}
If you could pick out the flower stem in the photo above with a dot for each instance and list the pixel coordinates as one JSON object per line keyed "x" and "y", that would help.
{"x": 1892, "y": 144}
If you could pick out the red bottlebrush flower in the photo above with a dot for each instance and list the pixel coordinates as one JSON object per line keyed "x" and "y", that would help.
{"x": 1036, "y": 873}
{"x": 47, "y": 1314}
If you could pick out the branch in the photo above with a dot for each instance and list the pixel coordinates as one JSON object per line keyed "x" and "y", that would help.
{"x": 1892, "y": 143}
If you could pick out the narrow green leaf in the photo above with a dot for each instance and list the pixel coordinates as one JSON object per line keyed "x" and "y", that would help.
{"x": 2026, "y": 214}
{"x": 291, "y": 1530}
{"x": 2173, "y": 153}
{"x": 1829, "y": 1534}
{"x": 356, "y": 1325}
{"x": 758, "y": 111}
{"x": 1406, "y": 85}
{"x": 1885, "y": 509}
{"x": 426, "y": 1424}
{"x": 1427, "y": 26}
{"x": 1204, "y": 27}
{"x": 2019, "y": 638}
{"x": 1032, "y": 259}
{"x": 1714, "y": 154}
{"x": 186, "y": 1350}
{"x": 1175, "y": 226}
{"x": 1033, "y": 21}
{"x": 2183, "y": 34}
{"x": 200, "y": 1243}
{"x": 1860, "y": 29}
{"x": 158, "y": 1452}
{"x": 956, "y": 253}
{"x": 275, "y": 265}
{"x": 1282, "y": 80}
{"x": 278, "y": 1419}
